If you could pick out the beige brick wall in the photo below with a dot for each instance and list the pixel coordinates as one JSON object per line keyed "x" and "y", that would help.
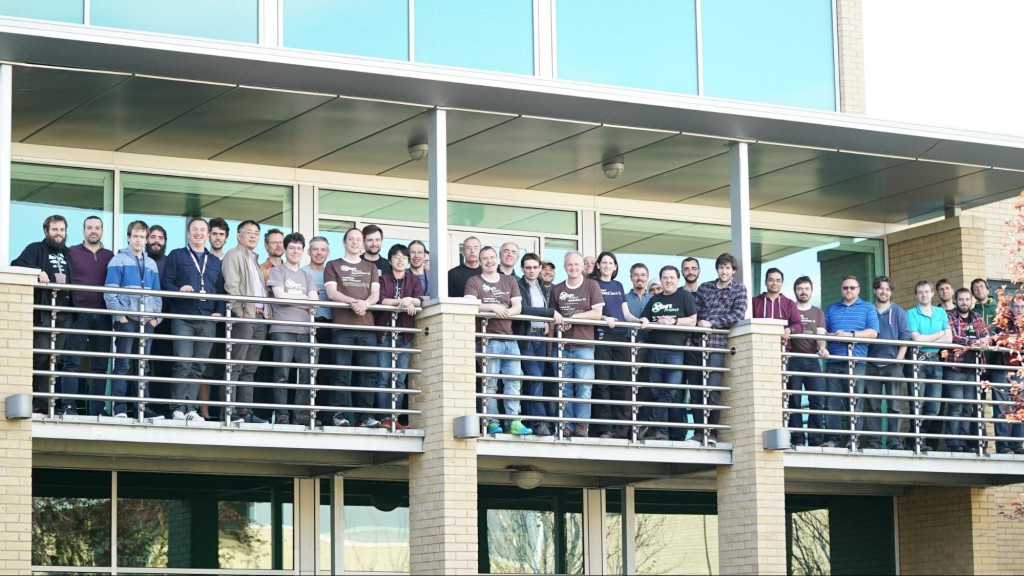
{"x": 751, "y": 492}
{"x": 991, "y": 219}
{"x": 16, "y": 435}
{"x": 953, "y": 248}
{"x": 443, "y": 480}
{"x": 850, "y": 29}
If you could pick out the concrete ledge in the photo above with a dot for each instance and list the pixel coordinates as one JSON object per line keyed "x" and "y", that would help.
{"x": 758, "y": 326}
{"x": 449, "y": 306}
{"x": 19, "y": 275}
{"x": 902, "y": 467}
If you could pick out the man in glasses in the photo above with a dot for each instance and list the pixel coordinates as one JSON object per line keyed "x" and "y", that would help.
{"x": 850, "y": 317}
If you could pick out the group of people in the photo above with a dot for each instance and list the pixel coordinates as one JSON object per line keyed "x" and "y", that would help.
{"x": 361, "y": 278}
{"x": 945, "y": 381}
{"x": 591, "y": 292}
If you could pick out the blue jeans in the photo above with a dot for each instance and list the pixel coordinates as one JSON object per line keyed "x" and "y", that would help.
{"x": 536, "y": 349}
{"x": 193, "y": 352}
{"x": 401, "y": 361}
{"x": 665, "y": 375}
{"x": 506, "y": 367}
{"x": 836, "y": 404}
{"x": 580, "y": 390}
{"x": 714, "y": 397}
{"x": 98, "y": 366}
{"x": 957, "y": 409}
{"x": 1005, "y": 428}
{"x": 127, "y": 345}
{"x": 930, "y": 393}
{"x": 362, "y": 358}
{"x": 809, "y": 384}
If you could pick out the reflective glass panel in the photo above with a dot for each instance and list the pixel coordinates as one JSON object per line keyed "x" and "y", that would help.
{"x": 236, "y": 20}
{"x": 71, "y": 518}
{"x": 58, "y": 10}
{"x": 822, "y": 257}
{"x": 840, "y": 534}
{"x": 377, "y": 28}
{"x": 539, "y": 531}
{"x": 171, "y": 201}
{"x": 376, "y": 526}
{"x": 39, "y": 191}
{"x": 493, "y": 35}
{"x": 772, "y": 52}
{"x": 645, "y": 44}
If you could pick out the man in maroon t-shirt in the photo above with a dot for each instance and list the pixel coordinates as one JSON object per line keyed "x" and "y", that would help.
{"x": 356, "y": 282}
{"x": 499, "y": 294}
{"x": 577, "y": 298}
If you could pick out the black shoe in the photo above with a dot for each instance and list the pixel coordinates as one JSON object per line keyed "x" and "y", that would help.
{"x": 957, "y": 449}
{"x": 152, "y": 414}
{"x": 1018, "y": 450}
{"x": 284, "y": 419}
{"x": 874, "y": 446}
{"x": 1006, "y": 451}
{"x": 302, "y": 419}
{"x": 542, "y": 429}
{"x": 897, "y": 446}
{"x": 70, "y": 410}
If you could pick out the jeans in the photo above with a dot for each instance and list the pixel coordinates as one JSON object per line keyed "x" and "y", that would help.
{"x": 127, "y": 345}
{"x": 580, "y": 390}
{"x": 956, "y": 409}
{"x": 929, "y": 394}
{"x": 97, "y": 366}
{"x": 814, "y": 402}
{"x": 41, "y": 340}
{"x": 999, "y": 411}
{"x": 401, "y": 361}
{"x": 244, "y": 354}
{"x": 506, "y": 367}
{"x": 363, "y": 358}
{"x": 665, "y": 375}
{"x": 285, "y": 355}
{"x": 835, "y": 422}
{"x": 536, "y": 349}
{"x": 620, "y": 373}
{"x": 193, "y": 368}
{"x": 712, "y": 398}
{"x": 873, "y": 423}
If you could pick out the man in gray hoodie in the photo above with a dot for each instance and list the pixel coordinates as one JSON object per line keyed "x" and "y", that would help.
{"x": 892, "y": 325}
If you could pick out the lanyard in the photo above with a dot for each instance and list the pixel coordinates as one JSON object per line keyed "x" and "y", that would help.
{"x": 142, "y": 270}
{"x": 202, "y": 271}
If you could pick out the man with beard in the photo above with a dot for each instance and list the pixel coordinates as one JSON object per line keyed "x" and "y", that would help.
{"x": 637, "y": 298}
{"x": 273, "y": 243}
{"x": 691, "y": 274}
{"x": 892, "y": 325}
{"x": 53, "y": 259}
{"x": 547, "y": 274}
{"x": 968, "y": 328}
{"x": 509, "y": 256}
{"x": 459, "y": 275}
{"x": 812, "y": 321}
{"x": 373, "y": 240}
{"x": 417, "y": 265}
{"x": 945, "y": 292}
{"x": 218, "y": 236}
{"x": 89, "y": 264}
{"x": 535, "y": 303}
{"x": 156, "y": 246}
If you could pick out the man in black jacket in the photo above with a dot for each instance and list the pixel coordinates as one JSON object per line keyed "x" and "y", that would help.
{"x": 535, "y": 303}
{"x": 52, "y": 257}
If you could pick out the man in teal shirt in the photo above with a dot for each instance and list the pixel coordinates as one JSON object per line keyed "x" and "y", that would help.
{"x": 928, "y": 324}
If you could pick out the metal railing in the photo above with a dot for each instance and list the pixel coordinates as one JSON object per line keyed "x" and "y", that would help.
{"x": 637, "y": 407}
{"x": 383, "y": 382}
{"x": 920, "y": 409}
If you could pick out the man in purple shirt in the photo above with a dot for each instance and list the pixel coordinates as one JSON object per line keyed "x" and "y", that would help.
{"x": 89, "y": 266}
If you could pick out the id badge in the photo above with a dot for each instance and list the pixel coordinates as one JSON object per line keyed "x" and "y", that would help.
{"x": 202, "y": 291}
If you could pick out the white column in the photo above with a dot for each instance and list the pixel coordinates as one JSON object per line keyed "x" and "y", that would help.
{"x": 739, "y": 201}
{"x": 6, "y": 106}
{"x": 437, "y": 176}
{"x": 337, "y": 524}
{"x": 593, "y": 531}
{"x": 305, "y": 528}
{"x": 628, "y": 510}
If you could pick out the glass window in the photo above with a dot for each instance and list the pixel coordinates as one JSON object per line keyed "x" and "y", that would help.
{"x": 171, "y": 200}
{"x": 236, "y": 20}
{"x": 39, "y": 191}
{"x": 377, "y": 28}
{"x": 840, "y": 534}
{"x": 824, "y": 258}
{"x": 649, "y": 44}
{"x": 71, "y": 518}
{"x": 57, "y": 10}
{"x": 772, "y": 52}
{"x": 376, "y": 527}
{"x": 493, "y": 35}
{"x": 539, "y": 531}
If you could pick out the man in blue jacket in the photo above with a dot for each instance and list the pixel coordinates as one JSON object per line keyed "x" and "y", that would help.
{"x": 192, "y": 270}
{"x": 132, "y": 268}
{"x": 892, "y": 325}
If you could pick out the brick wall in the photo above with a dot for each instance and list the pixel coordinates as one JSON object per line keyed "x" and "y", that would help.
{"x": 850, "y": 27}
{"x": 953, "y": 248}
{"x": 751, "y": 492}
{"x": 16, "y": 435}
{"x": 991, "y": 219}
{"x": 443, "y": 480}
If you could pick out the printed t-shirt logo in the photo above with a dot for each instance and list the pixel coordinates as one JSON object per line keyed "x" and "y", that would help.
{"x": 659, "y": 307}
{"x": 572, "y": 298}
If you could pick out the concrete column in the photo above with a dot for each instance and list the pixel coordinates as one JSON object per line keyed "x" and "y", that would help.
{"x": 850, "y": 58}
{"x": 6, "y": 96}
{"x": 751, "y": 492}
{"x": 16, "y": 435}
{"x": 739, "y": 202}
{"x": 437, "y": 185}
{"x": 443, "y": 479}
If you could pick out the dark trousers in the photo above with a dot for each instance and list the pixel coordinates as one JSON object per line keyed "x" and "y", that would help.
{"x": 97, "y": 366}
{"x": 41, "y": 340}
{"x": 618, "y": 372}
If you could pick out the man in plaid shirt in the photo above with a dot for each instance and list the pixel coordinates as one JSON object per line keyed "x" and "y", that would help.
{"x": 968, "y": 326}
{"x": 720, "y": 304}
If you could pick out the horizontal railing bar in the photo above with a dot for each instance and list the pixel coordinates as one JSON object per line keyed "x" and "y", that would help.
{"x": 897, "y": 379}
{"x": 224, "y": 361}
{"x": 557, "y": 380}
{"x": 601, "y": 401}
{"x": 222, "y": 383}
{"x": 224, "y": 403}
{"x": 627, "y": 423}
{"x": 604, "y": 323}
{"x": 565, "y": 360}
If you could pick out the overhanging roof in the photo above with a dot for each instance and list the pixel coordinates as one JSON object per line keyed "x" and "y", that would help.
{"x": 210, "y": 100}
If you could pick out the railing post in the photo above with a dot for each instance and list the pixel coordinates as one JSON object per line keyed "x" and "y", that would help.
{"x": 483, "y": 369}
{"x": 705, "y": 355}
{"x": 392, "y": 337}
{"x": 979, "y": 408}
{"x": 230, "y": 388}
{"x": 51, "y": 402}
{"x": 634, "y": 371}
{"x": 140, "y": 369}
{"x": 852, "y": 391}
{"x": 314, "y": 352}
{"x": 560, "y": 424}
{"x": 916, "y": 374}
{"x": 785, "y": 386}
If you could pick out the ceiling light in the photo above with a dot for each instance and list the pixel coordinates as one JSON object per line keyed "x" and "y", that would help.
{"x": 613, "y": 168}
{"x": 527, "y": 479}
{"x": 418, "y": 151}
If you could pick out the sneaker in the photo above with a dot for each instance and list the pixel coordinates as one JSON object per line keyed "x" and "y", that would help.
{"x": 302, "y": 419}
{"x": 690, "y": 444}
{"x": 566, "y": 432}
{"x": 237, "y": 418}
{"x": 827, "y": 444}
{"x": 194, "y": 416}
{"x": 581, "y": 432}
{"x": 150, "y": 414}
{"x": 607, "y": 435}
{"x": 493, "y": 427}
{"x": 70, "y": 410}
{"x": 712, "y": 439}
{"x": 179, "y": 415}
{"x": 386, "y": 423}
{"x": 873, "y": 446}
{"x": 659, "y": 435}
{"x": 121, "y": 415}
{"x": 1006, "y": 451}
{"x": 282, "y": 419}
{"x": 897, "y": 446}
{"x": 1018, "y": 450}
{"x": 641, "y": 432}
{"x": 517, "y": 428}
{"x": 543, "y": 429}
{"x": 338, "y": 421}
{"x": 251, "y": 418}
{"x": 371, "y": 423}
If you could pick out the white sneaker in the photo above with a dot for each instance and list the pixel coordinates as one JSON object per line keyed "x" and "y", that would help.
{"x": 194, "y": 416}
{"x": 177, "y": 415}
{"x": 120, "y": 415}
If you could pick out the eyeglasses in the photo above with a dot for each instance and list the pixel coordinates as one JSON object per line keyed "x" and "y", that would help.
{"x": 850, "y": 287}
{"x": 250, "y": 232}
